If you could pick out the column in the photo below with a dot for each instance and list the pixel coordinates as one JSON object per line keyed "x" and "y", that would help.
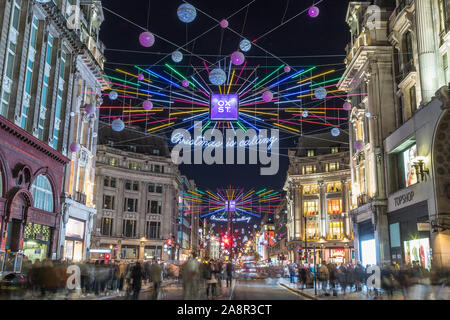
{"x": 426, "y": 48}
{"x": 298, "y": 212}
{"x": 322, "y": 209}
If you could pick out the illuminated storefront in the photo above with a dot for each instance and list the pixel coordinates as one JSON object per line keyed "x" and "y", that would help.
{"x": 74, "y": 240}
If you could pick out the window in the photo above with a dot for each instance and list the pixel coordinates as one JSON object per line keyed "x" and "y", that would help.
{"x": 153, "y": 230}
{"x": 310, "y": 189}
{"x": 442, "y": 16}
{"x": 409, "y": 172}
{"x": 43, "y": 110}
{"x": 157, "y": 168}
{"x": 129, "y": 228}
{"x": 154, "y": 206}
{"x": 335, "y": 186}
{"x": 311, "y": 207}
{"x": 130, "y": 205}
{"x": 132, "y": 185}
{"x": 156, "y": 152}
{"x": 312, "y": 229}
{"x": 408, "y": 48}
{"x": 310, "y": 153}
{"x": 75, "y": 229}
{"x": 109, "y": 182}
{"x": 331, "y": 166}
{"x": 159, "y": 188}
{"x": 334, "y": 149}
{"x": 151, "y": 187}
{"x": 309, "y": 169}
{"x": 412, "y": 97}
{"x": 108, "y": 202}
{"x": 135, "y": 185}
{"x": 335, "y": 230}
{"x": 335, "y": 206}
{"x": 113, "y": 161}
{"x": 134, "y": 166}
{"x": 127, "y": 185}
{"x": 42, "y": 193}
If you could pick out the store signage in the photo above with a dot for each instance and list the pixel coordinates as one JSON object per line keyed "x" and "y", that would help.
{"x": 224, "y": 107}
{"x": 100, "y": 251}
{"x": 404, "y": 198}
{"x": 225, "y": 219}
{"x": 338, "y": 253}
{"x": 423, "y": 226}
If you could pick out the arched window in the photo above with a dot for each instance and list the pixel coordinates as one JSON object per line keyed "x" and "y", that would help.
{"x": 42, "y": 193}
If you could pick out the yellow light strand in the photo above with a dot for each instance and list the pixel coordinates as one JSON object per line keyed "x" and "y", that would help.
{"x": 286, "y": 127}
{"x": 143, "y": 110}
{"x": 259, "y": 112}
{"x": 317, "y": 75}
{"x": 133, "y": 75}
{"x": 231, "y": 81}
{"x": 184, "y": 112}
{"x": 161, "y": 126}
{"x": 141, "y": 94}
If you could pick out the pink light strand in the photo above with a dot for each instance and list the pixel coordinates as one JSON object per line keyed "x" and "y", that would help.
{"x": 190, "y": 102}
{"x": 240, "y": 73}
{"x": 204, "y": 63}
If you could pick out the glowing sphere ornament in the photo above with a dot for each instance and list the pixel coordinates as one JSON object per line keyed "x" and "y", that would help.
{"x": 287, "y": 69}
{"x": 277, "y": 216}
{"x": 185, "y": 83}
{"x": 335, "y": 132}
{"x": 267, "y": 96}
{"x": 347, "y": 106}
{"x": 146, "y": 39}
{"x": 313, "y": 12}
{"x": 262, "y": 223}
{"x": 74, "y": 147}
{"x": 245, "y": 45}
{"x": 368, "y": 114}
{"x": 305, "y": 114}
{"x": 113, "y": 95}
{"x": 254, "y": 226}
{"x": 186, "y": 12}
{"x": 224, "y": 23}
{"x": 140, "y": 76}
{"x": 147, "y": 105}
{"x": 89, "y": 109}
{"x": 217, "y": 77}
{"x": 359, "y": 145}
{"x": 237, "y": 58}
{"x": 177, "y": 56}
{"x": 320, "y": 93}
{"x": 118, "y": 125}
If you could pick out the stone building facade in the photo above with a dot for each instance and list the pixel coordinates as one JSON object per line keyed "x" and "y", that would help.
{"x": 397, "y": 73}
{"x": 318, "y": 187}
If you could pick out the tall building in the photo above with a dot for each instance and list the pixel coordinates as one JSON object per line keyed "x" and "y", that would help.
{"x": 397, "y": 73}
{"x": 278, "y": 252}
{"x": 136, "y": 193}
{"x": 318, "y": 190}
{"x": 39, "y": 58}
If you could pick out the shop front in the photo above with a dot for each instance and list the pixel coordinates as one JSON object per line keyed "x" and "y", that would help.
{"x": 367, "y": 244}
{"x": 74, "y": 240}
{"x": 153, "y": 252}
{"x": 129, "y": 252}
{"x": 36, "y": 243}
{"x": 409, "y": 235}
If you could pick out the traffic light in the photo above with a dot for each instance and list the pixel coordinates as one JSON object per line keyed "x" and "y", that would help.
{"x": 300, "y": 252}
{"x": 107, "y": 256}
{"x": 226, "y": 241}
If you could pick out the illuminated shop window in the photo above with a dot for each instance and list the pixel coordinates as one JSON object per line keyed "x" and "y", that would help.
{"x": 335, "y": 230}
{"x": 309, "y": 169}
{"x": 310, "y": 153}
{"x": 334, "y": 149}
{"x": 335, "y": 206}
{"x": 310, "y": 207}
{"x": 335, "y": 186}
{"x": 310, "y": 189}
{"x": 312, "y": 229}
{"x": 331, "y": 166}
{"x": 42, "y": 193}
{"x": 409, "y": 170}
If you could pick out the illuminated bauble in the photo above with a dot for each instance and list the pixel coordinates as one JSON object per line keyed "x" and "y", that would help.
{"x": 146, "y": 39}
{"x": 287, "y": 69}
{"x": 75, "y": 146}
{"x": 313, "y": 11}
{"x": 237, "y": 58}
{"x": 320, "y": 93}
{"x": 217, "y": 77}
{"x": 305, "y": 114}
{"x": 207, "y": 237}
{"x": 235, "y": 230}
{"x": 254, "y": 226}
{"x": 213, "y": 224}
{"x": 245, "y": 45}
{"x": 347, "y": 106}
{"x": 224, "y": 23}
{"x": 359, "y": 144}
{"x": 140, "y": 76}
{"x": 267, "y": 96}
{"x": 147, "y": 105}
{"x": 185, "y": 83}
{"x": 262, "y": 222}
{"x": 335, "y": 132}
{"x": 118, "y": 125}
{"x": 177, "y": 56}
{"x": 186, "y": 12}
{"x": 277, "y": 216}
{"x": 113, "y": 95}
{"x": 368, "y": 114}
{"x": 89, "y": 109}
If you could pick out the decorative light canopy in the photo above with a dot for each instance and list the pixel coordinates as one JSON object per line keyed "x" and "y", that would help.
{"x": 118, "y": 125}
{"x": 177, "y": 56}
{"x": 217, "y": 77}
{"x": 313, "y": 11}
{"x": 146, "y": 39}
{"x": 186, "y": 13}
{"x": 245, "y": 45}
{"x": 237, "y": 58}
{"x": 267, "y": 96}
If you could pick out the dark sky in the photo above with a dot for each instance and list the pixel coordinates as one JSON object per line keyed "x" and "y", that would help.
{"x": 325, "y": 35}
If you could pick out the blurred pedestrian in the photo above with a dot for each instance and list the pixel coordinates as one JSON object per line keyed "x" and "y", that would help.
{"x": 136, "y": 276}
{"x": 156, "y": 276}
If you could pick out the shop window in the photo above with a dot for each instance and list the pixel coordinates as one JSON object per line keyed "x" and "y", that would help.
{"x": 152, "y": 252}
{"x": 310, "y": 153}
{"x": 42, "y": 193}
{"x": 335, "y": 206}
{"x": 312, "y": 229}
{"x": 335, "y": 230}
{"x": 409, "y": 172}
{"x": 109, "y": 182}
{"x": 331, "y": 166}
{"x": 75, "y": 229}
{"x": 36, "y": 241}
{"x": 310, "y": 189}
{"x": 130, "y": 205}
{"x": 107, "y": 226}
{"x": 153, "y": 229}
{"x": 129, "y": 252}
{"x": 159, "y": 188}
{"x": 335, "y": 186}
{"x": 134, "y": 165}
{"x": 334, "y": 149}
{"x": 108, "y": 202}
{"x": 310, "y": 208}
{"x": 308, "y": 169}
{"x": 113, "y": 161}
{"x": 151, "y": 187}
{"x": 129, "y": 228}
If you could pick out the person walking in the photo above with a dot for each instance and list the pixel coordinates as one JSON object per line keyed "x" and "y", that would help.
{"x": 136, "y": 276}
{"x": 229, "y": 273}
{"x": 211, "y": 281}
{"x": 302, "y": 276}
{"x": 155, "y": 275}
{"x": 190, "y": 273}
{"x": 324, "y": 275}
{"x": 292, "y": 267}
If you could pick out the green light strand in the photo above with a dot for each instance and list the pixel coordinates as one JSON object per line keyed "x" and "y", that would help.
{"x": 150, "y": 73}
{"x": 261, "y": 191}
{"x": 304, "y": 72}
{"x": 173, "y": 69}
{"x": 121, "y": 80}
{"x": 269, "y": 75}
{"x": 323, "y": 82}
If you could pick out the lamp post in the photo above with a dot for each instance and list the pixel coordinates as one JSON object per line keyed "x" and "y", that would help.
{"x": 315, "y": 272}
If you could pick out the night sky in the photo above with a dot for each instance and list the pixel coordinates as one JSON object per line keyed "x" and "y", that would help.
{"x": 299, "y": 42}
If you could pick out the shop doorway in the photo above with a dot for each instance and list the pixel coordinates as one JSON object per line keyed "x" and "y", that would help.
{"x": 368, "y": 252}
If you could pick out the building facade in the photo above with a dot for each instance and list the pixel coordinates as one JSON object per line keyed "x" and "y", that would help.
{"x": 318, "y": 190}
{"x": 136, "y": 193}
{"x": 40, "y": 60}
{"x": 397, "y": 69}
{"x": 278, "y": 252}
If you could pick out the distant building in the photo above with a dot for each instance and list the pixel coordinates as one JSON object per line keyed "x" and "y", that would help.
{"x": 318, "y": 186}
{"x": 278, "y": 252}
{"x": 136, "y": 192}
